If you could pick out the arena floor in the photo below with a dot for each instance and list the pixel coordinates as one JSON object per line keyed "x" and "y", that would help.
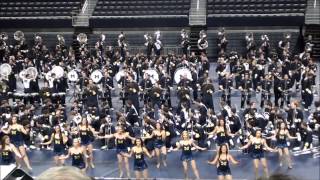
{"x": 306, "y": 166}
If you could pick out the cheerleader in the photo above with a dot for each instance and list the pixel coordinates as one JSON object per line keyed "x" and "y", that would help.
{"x": 281, "y": 135}
{"x": 139, "y": 164}
{"x": 59, "y": 140}
{"x": 8, "y": 151}
{"x": 222, "y": 160}
{"x": 16, "y": 131}
{"x": 86, "y": 133}
{"x": 186, "y": 156}
{"x": 159, "y": 144}
{"x": 121, "y": 147}
{"x": 258, "y": 145}
{"x": 78, "y": 154}
{"x": 222, "y": 133}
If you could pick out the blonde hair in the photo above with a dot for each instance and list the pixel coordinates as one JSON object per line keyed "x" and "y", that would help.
{"x": 63, "y": 173}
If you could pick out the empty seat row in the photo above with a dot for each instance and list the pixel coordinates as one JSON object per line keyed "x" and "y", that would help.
{"x": 255, "y": 6}
{"x": 20, "y": 8}
{"x": 141, "y": 7}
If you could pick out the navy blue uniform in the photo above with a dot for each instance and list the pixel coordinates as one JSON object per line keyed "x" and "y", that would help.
{"x": 121, "y": 146}
{"x": 85, "y": 137}
{"x": 186, "y": 153}
{"x": 139, "y": 163}
{"x": 257, "y": 150}
{"x": 58, "y": 146}
{"x": 223, "y": 167}
{"x": 7, "y": 157}
{"x": 78, "y": 161}
{"x": 221, "y": 138}
{"x": 16, "y": 137}
{"x": 281, "y": 140}
{"x": 158, "y": 143}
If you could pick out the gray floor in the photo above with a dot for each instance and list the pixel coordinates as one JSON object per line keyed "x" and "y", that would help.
{"x": 306, "y": 166}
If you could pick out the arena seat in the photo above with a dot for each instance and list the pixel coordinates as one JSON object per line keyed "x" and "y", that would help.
{"x": 140, "y": 8}
{"x": 126, "y": 13}
{"x": 256, "y": 12}
{"x": 256, "y": 6}
{"x": 38, "y": 8}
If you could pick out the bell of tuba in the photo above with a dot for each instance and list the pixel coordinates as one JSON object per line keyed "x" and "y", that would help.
{"x": 82, "y": 38}
{"x": 18, "y": 35}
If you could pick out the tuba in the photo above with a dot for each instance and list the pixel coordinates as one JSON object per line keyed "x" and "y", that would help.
{"x": 82, "y": 39}
{"x": 18, "y": 36}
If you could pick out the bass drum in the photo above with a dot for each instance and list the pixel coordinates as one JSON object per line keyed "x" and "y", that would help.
{"x": 122, "y": 73}
{"x": 180, "y": 72}
{"x": 96, "y": 76}
{"x": 73, "y": 76}
{"x": 153, "y": 73}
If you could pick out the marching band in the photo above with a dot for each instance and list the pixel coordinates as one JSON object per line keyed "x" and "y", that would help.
{"x": 68, "y": 96}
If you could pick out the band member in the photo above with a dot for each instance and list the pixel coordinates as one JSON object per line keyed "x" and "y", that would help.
{"x": 122, "y": 45}
{"x": 226, "y": 85}
{"x": 222, "y": 160}
{"x": 140, "y": 166}
{"x": 159, "y": 144}
{"x": 207, "y": 90}
{"x": 306, "y": 92}
{"x": 78, "y": 154}
{"x": 265, "y": 88}
{"x": 8, "y": 152}
{"x": 59, "y": 140}
{"x": 202, "y": 42}
{"x": 156, "y": 95}
{"x": 222, "y": 42}
{"x": 16, "y": 132}
{"x": 107, "y": 82}
{"x": 282, "y": 134}
{"x": 132, "y": 114}
{"x": 185, "y": 42}
{"x": 287, "y": 84}
{"x": 157, "y": 43}
{"x": 121, "y": 148}
{"x": 250, "y": 44}
{"x": 246, "y": 88}
{"x": 278, "y": 89}
{"x": 258, "y": 145}
{"x": 186, "y": 156}
{"x": 306, "y": 136}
